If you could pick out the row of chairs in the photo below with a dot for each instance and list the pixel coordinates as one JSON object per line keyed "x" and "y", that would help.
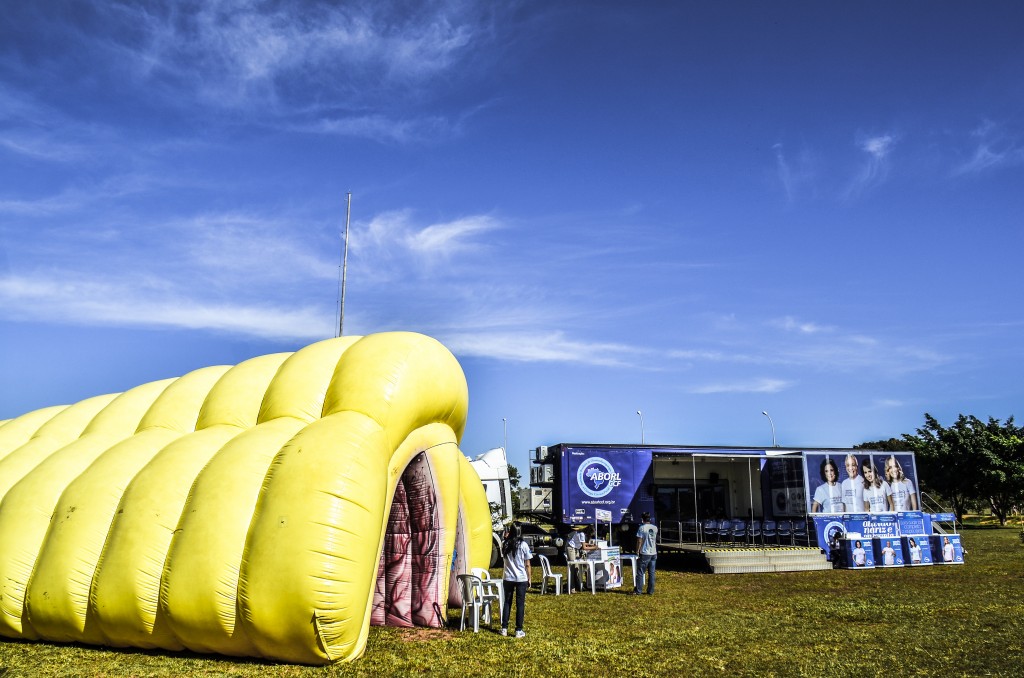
{"x": 735, "y": 531}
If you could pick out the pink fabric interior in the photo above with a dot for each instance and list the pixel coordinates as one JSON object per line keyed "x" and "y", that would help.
{"x": 408, "y": 589}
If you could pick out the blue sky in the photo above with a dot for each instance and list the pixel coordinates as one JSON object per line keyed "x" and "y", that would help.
{"x": 697, "y": 210}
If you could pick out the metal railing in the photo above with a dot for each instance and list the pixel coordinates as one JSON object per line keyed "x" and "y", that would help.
{"x": 930, "y": 504}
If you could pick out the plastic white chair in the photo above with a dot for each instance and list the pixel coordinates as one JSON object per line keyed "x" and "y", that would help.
{"x": 490, "y": 585}
{"x": 545, "y": 566}
{"x": 475, "y": 601}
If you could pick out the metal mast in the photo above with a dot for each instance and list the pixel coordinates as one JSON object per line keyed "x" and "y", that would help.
{"x": 344, "y": 266}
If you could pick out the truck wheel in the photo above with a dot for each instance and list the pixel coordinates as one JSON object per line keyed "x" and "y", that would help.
{"x": 495, "y": 554}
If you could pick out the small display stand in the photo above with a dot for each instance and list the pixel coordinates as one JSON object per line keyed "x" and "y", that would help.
{"x": 856, "y": 552}
{"x": 888, "y": 551}
{"x": 917, "y": 550}
{"x": 607, "y": 567}
{"x": 947, "y": 549}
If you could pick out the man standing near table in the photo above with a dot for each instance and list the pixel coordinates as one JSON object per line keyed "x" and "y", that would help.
{"x": 647, "y": 552}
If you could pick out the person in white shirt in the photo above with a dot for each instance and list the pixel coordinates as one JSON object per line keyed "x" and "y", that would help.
{"x": 516, "y": 577}
{"x": 647, "y": 550}
{"x": 860, "y": 557}
{"x": 904, "y": 495}
{"x": 915, "y": 552}
{"x": 877, "y": 494}
{"x": 575, "y": 549}
{"x": 888, "y": 554}
{"x": 947, "y": 550}
{"x": 828, "y": 497}
{"x": 853, "y": 487}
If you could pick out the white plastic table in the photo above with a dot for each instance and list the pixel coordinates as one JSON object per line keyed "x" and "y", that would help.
{"x": 591, "y": 564}
{"x": 631, "y": 557}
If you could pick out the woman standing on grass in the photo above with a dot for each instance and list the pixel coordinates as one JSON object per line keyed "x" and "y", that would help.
{"x": 515, "y": 553}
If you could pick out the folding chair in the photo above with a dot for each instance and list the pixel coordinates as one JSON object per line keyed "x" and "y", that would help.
{"x": 769, "y": 530}
{"x": 752, "y": 532}
{"x": 737, "y": 531}
{"x": 800, "y": 531}
{"x": 710, "y": 527}
{"x": 545, "y": 567}
{"x": 475, "y": 601}
{"x": 724, "y": 529}
{"x": 784, "y": 532}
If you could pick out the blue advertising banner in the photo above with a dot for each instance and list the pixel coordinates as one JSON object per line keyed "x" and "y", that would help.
{"x": 829, "y": 530}
{"x": 914, "y": 522}
{"x": 947, "y": 549}
{"x": 872, "y": 526}
{"x": 858, "y": 554}
{"x": 615, "y": 480}
{"x": 860, "y": 481}
{"x": 916, "y": 550}
{"x": 889, "y": 552}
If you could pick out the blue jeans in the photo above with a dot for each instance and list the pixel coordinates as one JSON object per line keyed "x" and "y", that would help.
{"x": 519, "y": 589}
{"x": 645, "y": 570}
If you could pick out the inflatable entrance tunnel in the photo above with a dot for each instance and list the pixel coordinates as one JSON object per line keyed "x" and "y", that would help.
{"x": 274, "y": 509}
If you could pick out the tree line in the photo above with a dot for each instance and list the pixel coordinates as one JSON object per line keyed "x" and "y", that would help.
{"x": 969, "y": 463}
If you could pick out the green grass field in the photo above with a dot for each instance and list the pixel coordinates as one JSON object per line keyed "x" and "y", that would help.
{"x": 942, "y": 620}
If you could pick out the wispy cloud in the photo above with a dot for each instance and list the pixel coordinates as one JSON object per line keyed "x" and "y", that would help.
{"x": 875, "y": 168}
{"x": 235, "y": 245}
{"x": 793, "y": 173}
{"x": 791, "y": 324}
{"x": 791, "y": 344}
{"x": 43, "y": 147}
{"x": 78, "y": 197}
{"x": 396, "y": 235}
{"x": 762, "y": 385}
{"x": 365, "y": 69}
{"x": 993, "y": 147}
{"x": 381, "y": 128}
{"x": 542, "y": 347}
{"x": 293, "y": 56}
{"x": 137, "y": 305}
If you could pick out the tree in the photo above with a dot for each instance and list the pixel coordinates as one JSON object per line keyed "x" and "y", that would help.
{"x": 972, "y": 460}
{"x": 513, "y": 482}
{"x": 1002, "y": 478}
{"x": 890, "y": 445}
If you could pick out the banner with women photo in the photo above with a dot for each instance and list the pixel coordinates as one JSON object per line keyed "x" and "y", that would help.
{"x": 856, "y": 481}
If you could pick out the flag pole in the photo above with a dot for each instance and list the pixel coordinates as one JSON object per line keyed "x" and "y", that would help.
{"x": 344, "y": 266}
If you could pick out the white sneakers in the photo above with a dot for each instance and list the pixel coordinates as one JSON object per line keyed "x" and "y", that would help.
{"x": 503, "y": 632}
{"x": 520, "y": 634}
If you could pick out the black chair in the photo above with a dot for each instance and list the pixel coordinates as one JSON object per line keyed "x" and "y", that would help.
{"x": 800, "y": 532}
{"x": 737, "y": 531}
{"x": 754, "y": 532}
{"x": 724, "y": 529}
{"x": 710, "y": 528}
{"x": 784, "y": 532}
{"x": 769, "y": 530}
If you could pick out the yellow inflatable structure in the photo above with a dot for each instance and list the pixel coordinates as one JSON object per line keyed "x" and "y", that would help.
{"x": 274, "y": 509}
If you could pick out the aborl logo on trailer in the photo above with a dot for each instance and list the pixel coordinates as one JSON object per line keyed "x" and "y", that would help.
{"x": 597, "y": 477}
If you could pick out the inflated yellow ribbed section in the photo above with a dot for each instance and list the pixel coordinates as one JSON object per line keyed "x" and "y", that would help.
{"x": 243, "y": 510}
